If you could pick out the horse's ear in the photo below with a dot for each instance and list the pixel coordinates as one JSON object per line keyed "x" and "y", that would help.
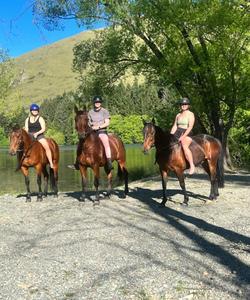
{"x": 153, "y": 121}
{"x": 75, "y": 109}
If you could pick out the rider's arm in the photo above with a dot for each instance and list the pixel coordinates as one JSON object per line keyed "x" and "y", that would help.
{"x": 174, "y": 127}
{"x": 191, "y": 120}
{"x": 26, "y": 125}
{"x": 105, "y": 124}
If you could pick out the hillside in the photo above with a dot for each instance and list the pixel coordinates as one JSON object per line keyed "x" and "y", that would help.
{"x": 47, "y": 72}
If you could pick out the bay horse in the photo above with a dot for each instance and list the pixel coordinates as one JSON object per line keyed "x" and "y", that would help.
{"x": 206, "y": 151}
{"x": 32, "y": 154}
{"x": 90, "y": 153}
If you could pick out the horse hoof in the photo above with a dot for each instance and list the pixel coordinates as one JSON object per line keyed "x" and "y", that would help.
{"x": 96, "y": 203}
{"x": 39, "y": 199}
{"x": 162, "y": 204}
{"x": 28, "y": 200}
{"x": 184, "y": 203}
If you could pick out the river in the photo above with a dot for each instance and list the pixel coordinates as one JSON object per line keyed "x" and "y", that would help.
{"x": 138, "y": 165}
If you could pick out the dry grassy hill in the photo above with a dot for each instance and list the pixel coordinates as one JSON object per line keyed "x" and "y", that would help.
{"x": 47, "y": 72}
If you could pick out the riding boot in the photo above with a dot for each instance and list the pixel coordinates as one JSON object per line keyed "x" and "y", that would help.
{"x": 109, "y": 164}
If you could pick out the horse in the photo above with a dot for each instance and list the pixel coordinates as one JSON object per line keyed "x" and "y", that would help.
{"x": 206, "y": 151}
{"x": 90, "y": 153}
{"x": 30, "y": 153}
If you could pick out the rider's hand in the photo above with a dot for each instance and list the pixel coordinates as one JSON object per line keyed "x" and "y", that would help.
{"x": 95, "y": 127}
{"x": 181, "y": 138}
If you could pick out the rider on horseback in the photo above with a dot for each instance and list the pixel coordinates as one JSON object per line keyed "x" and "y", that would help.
{"x": 182, "y": 127}
{"x": 35, "y": 126}
{"x": 99, "y": 119}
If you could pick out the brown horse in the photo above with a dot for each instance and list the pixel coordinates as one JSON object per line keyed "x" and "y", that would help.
{"x": 90, "y": 153}
{"x": 32, "y": 154}
{"x": 206, "y": 151}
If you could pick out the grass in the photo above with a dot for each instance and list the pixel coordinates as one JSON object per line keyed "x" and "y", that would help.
{"x": 47, "y": 71}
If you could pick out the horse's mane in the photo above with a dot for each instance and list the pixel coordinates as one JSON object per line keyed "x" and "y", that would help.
{"x": 166, "y": 137}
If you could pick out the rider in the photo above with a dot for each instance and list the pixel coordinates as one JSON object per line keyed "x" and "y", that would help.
{"x": 99, "y": 119}
{"x": 182, "y": 127}
{"x": 35, "y": 126}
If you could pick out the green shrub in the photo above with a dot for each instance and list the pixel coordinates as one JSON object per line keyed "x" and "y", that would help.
{"x": 56, "y": 135}
{"x": 4, "y": 141}
{"x": 128, "y": 128}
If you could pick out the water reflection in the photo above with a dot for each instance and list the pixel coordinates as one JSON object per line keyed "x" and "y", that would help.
{"x": 138, "y": 165}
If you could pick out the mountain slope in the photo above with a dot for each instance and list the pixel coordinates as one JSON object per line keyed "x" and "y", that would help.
{"x": 47, "y": 72}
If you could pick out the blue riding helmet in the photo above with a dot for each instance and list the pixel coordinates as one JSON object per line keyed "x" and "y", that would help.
{"x": 97, "y": 99}
{"x": 34, "y": 107}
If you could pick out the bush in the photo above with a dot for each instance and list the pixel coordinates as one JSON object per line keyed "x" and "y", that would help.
{"x": 4, "y": 141}
{"x": 56, "y": 135}
{"x": 129, "y": 128}
{"x": 239, "y": 139}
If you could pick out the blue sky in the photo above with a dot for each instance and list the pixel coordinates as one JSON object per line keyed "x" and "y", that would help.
{"x": 19, "y": 34}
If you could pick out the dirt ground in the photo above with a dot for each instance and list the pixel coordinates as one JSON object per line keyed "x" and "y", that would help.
{"x": 129, "y": 248}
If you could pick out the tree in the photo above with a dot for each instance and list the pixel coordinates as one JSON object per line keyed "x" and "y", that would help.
{"x": 6, "y": 75}
{"x": 198, "y": 48}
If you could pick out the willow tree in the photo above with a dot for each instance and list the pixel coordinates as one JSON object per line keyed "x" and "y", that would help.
{"x": 199, "y": 48}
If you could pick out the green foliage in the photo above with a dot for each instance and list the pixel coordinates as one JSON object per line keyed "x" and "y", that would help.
{"x": 239, "y": 139}
{"x": 6, "y": 76}
{"x": 128, "y": 128}
{"x": 56, "y": 135}
{"x": 59, "y": 114}
{"x": 4, "y": 141}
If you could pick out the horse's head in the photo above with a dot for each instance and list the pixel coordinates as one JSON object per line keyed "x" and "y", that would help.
{"x": 81, "y": 122}
{"x": 16, "y": 141}
{"x": 149, "y": 135}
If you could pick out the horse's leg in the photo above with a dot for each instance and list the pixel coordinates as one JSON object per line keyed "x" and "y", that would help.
{"x": 54, "y": 178}
{"x": 46, "y": 179}
{"x": 27, "y": 183}
{"x": 122, "y": 172}
{"x": 109, "y": 176}
{"x": 39, "y": 183}
{"x": 83, "y": 171}
{"x": 212, "y": 176}
{"x": 164, "y": 179}
{"x": 39, "y": 169}
{"x": 214, "y": 183}
{"x": 96, "y": 170}
{"x": 181, "y": 178}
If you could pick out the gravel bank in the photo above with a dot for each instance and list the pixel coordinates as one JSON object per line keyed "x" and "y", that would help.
{"x": 128, "y": 248}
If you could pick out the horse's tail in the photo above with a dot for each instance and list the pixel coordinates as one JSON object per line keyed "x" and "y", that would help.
{"x": 220, "y": 169}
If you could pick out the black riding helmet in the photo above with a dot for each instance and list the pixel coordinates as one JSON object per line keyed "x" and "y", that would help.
{"x": 97, "y": 99}
{"x": 184, "y": 101}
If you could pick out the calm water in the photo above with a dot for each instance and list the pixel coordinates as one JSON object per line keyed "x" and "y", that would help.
{"x": 138, "y": 165}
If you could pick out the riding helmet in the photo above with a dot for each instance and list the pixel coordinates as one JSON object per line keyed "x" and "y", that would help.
{"x": 97, "y": 99}
{"x": 184, "y": 101}
{"x": 34, "y": 107}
